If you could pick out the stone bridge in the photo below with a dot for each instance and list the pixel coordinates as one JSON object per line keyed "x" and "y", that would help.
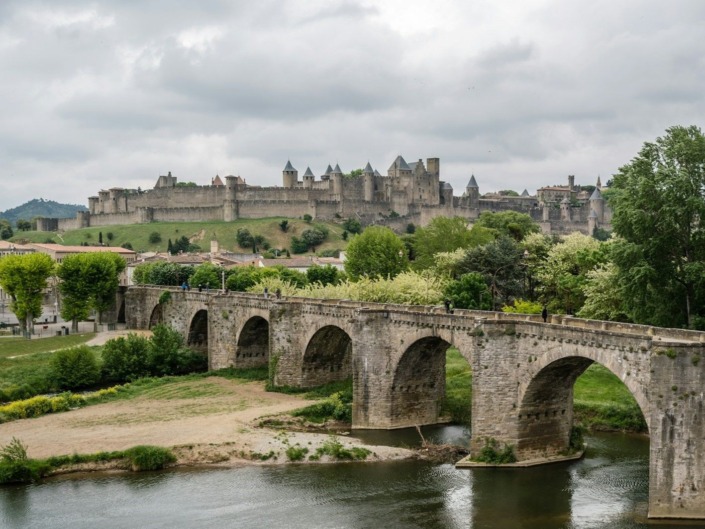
{"x": 523, "y": 369}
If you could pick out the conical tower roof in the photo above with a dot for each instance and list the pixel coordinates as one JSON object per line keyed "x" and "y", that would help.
{"x": 596, "y": 195}
{"x": 329, "y": 169}
{"x": 377, "y": 173}
{"x": 336, "y": 170}
{"x": 368, "y": 169}
{"x": 289, "y": 167}
{"x": 308, "y": 172}
{"x": 400, "y": 163}
{"x": 525, "y": 193}
{"x": 472, "y": 183}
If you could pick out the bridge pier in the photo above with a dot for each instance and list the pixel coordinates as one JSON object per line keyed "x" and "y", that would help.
{"x": 523, "y": 370}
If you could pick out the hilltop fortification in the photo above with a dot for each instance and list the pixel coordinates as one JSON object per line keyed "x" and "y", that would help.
{"x": 409, "y": 192}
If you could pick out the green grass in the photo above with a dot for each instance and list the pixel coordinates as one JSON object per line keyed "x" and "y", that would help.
{"x": 24, "y": 364}
{"x": 602, "y": 401}
{"x": 16, "y": 467}
{"x": 22, "y": 346}
{"x": 458, "y": 397}
{"x": 200, "y": 233}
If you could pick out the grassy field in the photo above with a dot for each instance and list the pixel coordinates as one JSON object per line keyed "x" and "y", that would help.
{"x": 26, "y": 362}
{"x": 200, "y": 233}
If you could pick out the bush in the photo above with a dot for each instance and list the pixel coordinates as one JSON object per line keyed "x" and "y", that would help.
{"x": 74, "y": 368}
{"x": 168, "y": 356}
{"x": 338, "y": 406}
{"x": 296, "y": 452}
{"x": 352, "y": 226}
{"x": 335, "y": 449}
{"x": 125, "y": 359}
{"x": 298, "y": 245}
{"x": 307, "y": 218}
{"x": 155, "y": 237}
{"x": 146, "y": 457}
{"x": 491, "y": 453}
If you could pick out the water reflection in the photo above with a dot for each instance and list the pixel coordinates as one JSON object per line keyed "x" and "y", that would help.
{"x": 608, "y": 489}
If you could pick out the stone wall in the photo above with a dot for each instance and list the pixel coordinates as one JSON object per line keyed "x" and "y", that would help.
{"x": 523, "y": 370}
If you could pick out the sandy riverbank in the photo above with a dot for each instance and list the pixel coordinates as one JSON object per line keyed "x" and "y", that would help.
{"x": 206, "y": 421}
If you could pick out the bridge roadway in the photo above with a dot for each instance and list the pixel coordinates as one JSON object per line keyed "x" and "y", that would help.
{"x": 523, "y": 369}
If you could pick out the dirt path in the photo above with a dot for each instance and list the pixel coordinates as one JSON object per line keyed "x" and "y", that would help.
{"x": 213, "y": 420}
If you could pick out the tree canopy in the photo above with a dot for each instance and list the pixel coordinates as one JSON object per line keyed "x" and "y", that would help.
{"x": 658, "y": 203}
{"x": 376, "y": 252}
{"x": 509, "y": 223}
{"x": 24, "y": 278}
{"x": 89, "y": 281}
{"x": 445, "y": 234}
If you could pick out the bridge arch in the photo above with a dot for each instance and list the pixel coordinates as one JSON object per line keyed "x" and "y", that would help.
{"x": 545, "y": 408}
{"x": 197, "y": 338}
{"x": 157, "y": 316}
{"x": 252, "y": 348}
{"x": 327, "y": 357}
{"x": 419, "y": 382}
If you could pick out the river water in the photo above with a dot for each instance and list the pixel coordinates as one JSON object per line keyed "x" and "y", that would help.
{"x": 607, "y": 489}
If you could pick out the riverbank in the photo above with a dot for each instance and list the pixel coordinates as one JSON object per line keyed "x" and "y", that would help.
{"x": 210, "y": 421}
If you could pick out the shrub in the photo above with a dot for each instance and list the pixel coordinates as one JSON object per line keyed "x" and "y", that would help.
{"x": 75, "y": 368}
{"x": 491, "y": 453}
{"x": 146, "y": 457}
{"x": 125, "y": 359}
{"x": 298, "y": 245}
{"x": 296, "y": 452}
{"x": 307, "y": 218}
{"x": 155, "y": 237}
{"x": 284, "y": 226}
{"x": 338, "y": 406}
{"x": 335, "y": 449}
{"x": 352, "y": 226}
{"x": 168, "y": 356}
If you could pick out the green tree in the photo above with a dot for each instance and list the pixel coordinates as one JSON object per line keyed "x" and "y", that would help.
{"x": 500, "y": 264}
{"x": 469, "y": 292}
{"x": 563, "y": 274}
{"x": 313, "y": 238}
{"x": 162, "y": 273}
{"x": 323, "y": 275}
{"x": 24, "y": 225}
{"x": 603, "y": 295}
{"x": 445, "y": 234}
{"x": 207, "y": 274}
{"x": 74, "y": 368}
{"x": 24, "y": 278}
{"x": 154, "y": 238}
{"x": 658, "y": 203}
{"x": 284, "y": 225}
{"x": 509, "y": 223}
{"x": 126, "y": 358}
{"x": 75, "y": 303}
{"x": 376, "y": 252}
{"x": 352, "y": 226}
{"x": 93, "y": 277}
{"x": 5, "y": 229}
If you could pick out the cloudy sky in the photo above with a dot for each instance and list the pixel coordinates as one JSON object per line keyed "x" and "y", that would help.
{"x": 521, "y": 93}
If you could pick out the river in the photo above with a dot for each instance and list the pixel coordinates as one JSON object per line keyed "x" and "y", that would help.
{"x": 606, "y": 489}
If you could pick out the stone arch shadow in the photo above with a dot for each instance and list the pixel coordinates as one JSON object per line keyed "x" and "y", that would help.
{"x": 157, "y": 316}
{"x": 545, "y": 404}
{"x": 327, "y": 357}
{"x": 252, "y": 343}
{"x": 419, "y": 381}
{"x": 197, "y": 337}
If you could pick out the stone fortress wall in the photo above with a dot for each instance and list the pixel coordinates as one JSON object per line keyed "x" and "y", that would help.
{"x": 408, "y": 193}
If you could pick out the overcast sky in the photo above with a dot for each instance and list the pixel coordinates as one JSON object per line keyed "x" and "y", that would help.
{"x": 521, "y": 93}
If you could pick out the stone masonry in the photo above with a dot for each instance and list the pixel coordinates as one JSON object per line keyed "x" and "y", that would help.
{"x": 523, "y": 370}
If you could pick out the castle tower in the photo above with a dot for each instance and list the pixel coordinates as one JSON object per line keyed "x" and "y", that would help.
{"x": 93, "y": 205}
{"x": 565, "y": 210}
{"x": 290, "y": 175}
{"x": 308, "y": 179}
{"x": 545, "y": 212}
{"x": 434, "y": 167}
{"x": 368, "y": 176}
{"x": 446, "y": 194}
{"x": 571, "y": 182}
{"x": 598, "y": 185}
{"x": 472, "y": 192}
{"x": 230, "y": 203}
{"x": 336, "y": 175}
{"x": 593, "y": 223}
{"x": 597, "y": 204}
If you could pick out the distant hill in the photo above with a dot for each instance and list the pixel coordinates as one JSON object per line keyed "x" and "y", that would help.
{"x": 39, "y": 207}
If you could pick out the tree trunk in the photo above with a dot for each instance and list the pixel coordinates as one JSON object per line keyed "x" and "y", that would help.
{"x": 74, "y": 325}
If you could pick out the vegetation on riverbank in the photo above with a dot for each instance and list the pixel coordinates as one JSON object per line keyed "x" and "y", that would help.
{"x": 17, "y": 467}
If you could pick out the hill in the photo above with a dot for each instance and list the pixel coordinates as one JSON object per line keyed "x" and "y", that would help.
{"x": 199, "y": 233}
{"x": 39, "y": 207}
